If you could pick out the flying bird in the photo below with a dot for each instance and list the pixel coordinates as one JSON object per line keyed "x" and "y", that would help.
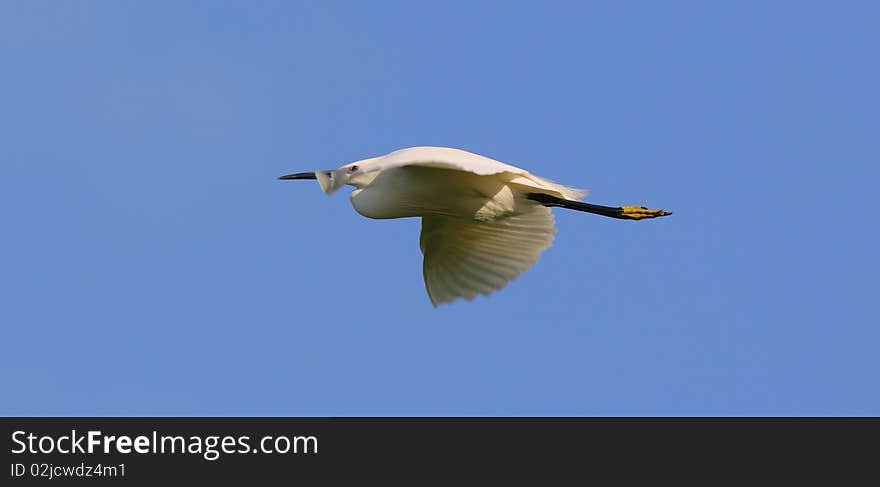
{"x": 484, "y": 222}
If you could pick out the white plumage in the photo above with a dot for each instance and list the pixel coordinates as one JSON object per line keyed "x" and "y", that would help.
{"x": 461, "y": 160}
{"x": 464, "y": 258}
{"x": 484, "y": 222}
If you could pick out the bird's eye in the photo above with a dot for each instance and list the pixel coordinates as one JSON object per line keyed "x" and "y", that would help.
{"x": 352, "y": 169}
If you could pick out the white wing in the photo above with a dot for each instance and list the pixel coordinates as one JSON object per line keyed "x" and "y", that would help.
{"x": 464, "y": 258}
{"x": 446, "y": 158}
{"x": 461, "y": 160}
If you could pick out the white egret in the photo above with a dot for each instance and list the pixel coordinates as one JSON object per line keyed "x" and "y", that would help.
{"x": 483, "y": 222}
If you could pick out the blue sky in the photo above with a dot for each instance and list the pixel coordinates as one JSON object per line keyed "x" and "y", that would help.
{"x": 152, "y": 265}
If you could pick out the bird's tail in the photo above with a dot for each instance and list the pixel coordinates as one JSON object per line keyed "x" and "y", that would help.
{"x": 564, "y": 191}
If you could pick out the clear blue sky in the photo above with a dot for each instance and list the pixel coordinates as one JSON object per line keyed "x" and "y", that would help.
{"x": 153, "y": 265}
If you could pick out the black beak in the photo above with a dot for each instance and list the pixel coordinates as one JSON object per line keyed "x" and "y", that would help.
{"x": 299, "y": 175}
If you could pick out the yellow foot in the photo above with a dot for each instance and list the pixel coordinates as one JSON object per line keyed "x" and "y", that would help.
{"x": 639, "y": 212}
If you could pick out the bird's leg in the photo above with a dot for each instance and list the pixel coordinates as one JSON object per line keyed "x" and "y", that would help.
{"x": 621, "y": 212}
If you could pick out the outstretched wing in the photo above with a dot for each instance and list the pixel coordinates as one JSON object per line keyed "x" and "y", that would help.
{"x": 463, "y": 258}
{"x": 446, "y": 158}
{"x": 462, "y": 160}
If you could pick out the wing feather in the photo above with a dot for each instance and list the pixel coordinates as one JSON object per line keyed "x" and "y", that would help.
{"x": 464, "y": 258}
{"x": 462, "y": 160}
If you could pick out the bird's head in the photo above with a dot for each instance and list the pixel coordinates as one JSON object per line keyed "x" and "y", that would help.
{"x": 357, "y": 174}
